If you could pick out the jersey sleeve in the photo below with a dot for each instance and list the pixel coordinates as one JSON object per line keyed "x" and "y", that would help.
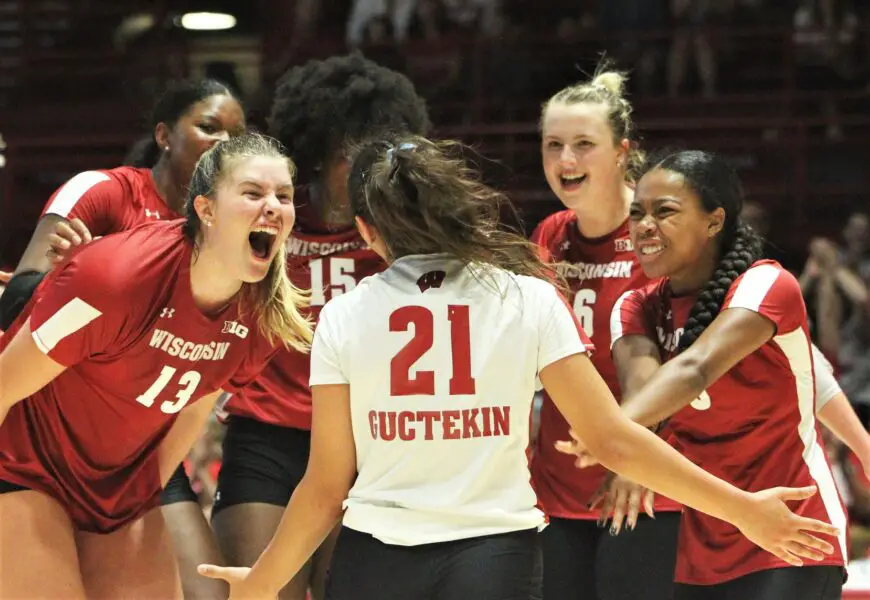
{"x": 826, "y": 384}
{"x": 82, "y": 309}
{"x": 772, "y": 292}
{"x": 93, "y": 197}
{"x": 326, "y": 367}
{"x": 628, "y": 317}
{"x": 560, "y": 333}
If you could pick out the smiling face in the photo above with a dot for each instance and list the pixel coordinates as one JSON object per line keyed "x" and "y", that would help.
{"x": 205, "y": 123}
{"x": 581, "y": 162}
{"x": 251, "y": 216}
{"x": 673, "y": 235}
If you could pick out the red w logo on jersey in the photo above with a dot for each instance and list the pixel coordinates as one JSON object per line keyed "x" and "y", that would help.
{"x": 432, "y": 279}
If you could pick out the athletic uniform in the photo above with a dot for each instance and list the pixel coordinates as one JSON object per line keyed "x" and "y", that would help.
{"x": 106, "y": 201}
{"x": 265, "y": 450}
{"x": 755, "y": 427}
{"x": 441, "y": 360}
{"x": 121, "y": 317}
{"x": 581, "y": 560}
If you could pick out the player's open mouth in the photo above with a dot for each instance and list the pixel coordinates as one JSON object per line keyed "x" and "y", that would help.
{"x": 650, "y": 248}
{"x": 261, "y": 240}
{"x": 571, "y": 182}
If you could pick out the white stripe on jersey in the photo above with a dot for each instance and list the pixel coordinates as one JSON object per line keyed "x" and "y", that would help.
{"x": 74, "y": 315}
{"x": 753, "y": 288}
{"x": 73, "y": 190}
{"x": 616, "y": 329}
{"x": 796, "y": 348}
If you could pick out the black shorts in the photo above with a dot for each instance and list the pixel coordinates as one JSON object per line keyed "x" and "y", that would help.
{"x": 787, "y": 583}
{"x": 178, "y": 489}
{"x": 495, "y": 567}
{"x": 261, "y": 463}
{"x": 582, "y": 560}
{"x": 7, "y": 487}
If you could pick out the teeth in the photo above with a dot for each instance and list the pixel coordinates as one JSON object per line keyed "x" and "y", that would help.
{"x": 573, "y": 177}
{"x": 651, "y": 249}
{"x": 271, "y": 229}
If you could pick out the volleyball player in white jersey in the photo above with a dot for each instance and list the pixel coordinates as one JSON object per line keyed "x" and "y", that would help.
{"x": 422, "y": 380}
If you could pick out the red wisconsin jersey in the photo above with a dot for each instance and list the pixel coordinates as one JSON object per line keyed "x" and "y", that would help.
{"x": 598, "y": 272}
{"x": 121, "y": 317}
{"x": 755, "y": 427}
{"x": 330, "y": 264}
{"x": 110, "y": 201}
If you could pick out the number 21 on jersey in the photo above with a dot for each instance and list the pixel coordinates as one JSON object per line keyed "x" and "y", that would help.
{"x": 330, "y": 277}
{"x": 423, "y": 320}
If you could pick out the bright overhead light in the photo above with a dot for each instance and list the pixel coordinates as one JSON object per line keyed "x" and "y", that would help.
{"x": 207, "y": 21}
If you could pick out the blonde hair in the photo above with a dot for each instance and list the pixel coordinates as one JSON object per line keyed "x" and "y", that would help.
{"x": 607, "y": 88}
{"x": 275, "y": 300}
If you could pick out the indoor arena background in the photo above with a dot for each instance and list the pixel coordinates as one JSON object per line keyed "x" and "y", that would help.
{"x": 781, "y": 87}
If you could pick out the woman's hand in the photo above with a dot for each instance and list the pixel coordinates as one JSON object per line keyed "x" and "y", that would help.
{"x": 237, "y": 578}
{"x": 770, "y": 524}
{"x": 67, "y": 235}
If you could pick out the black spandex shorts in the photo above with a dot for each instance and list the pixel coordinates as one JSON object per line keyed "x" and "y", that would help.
{"x": 178, "y": 489}
{"x": 494, "y": 567}
{"x": 8, "y": 488}
{"x": 787, "y": 583}
{"x": 261, "y": 463}
{"x": 583, "y": 561}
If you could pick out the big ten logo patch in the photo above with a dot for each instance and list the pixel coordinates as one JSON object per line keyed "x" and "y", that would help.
{"x": 236, "y": 329}
{"x": 624, "y": 245}
{"x": 670, "y": 340}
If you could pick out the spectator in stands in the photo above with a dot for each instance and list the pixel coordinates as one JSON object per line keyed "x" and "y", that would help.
{"x": 692, "y": 38}
{"x": 838, "y": 281}
{"x": 621, "y": 21}
{"x": 365, "y": 12}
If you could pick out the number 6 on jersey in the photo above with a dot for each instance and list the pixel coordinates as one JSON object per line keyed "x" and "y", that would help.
{"x": 401, "y": 382}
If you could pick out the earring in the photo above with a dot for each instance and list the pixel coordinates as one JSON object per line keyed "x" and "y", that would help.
{"x": 208, "y": 223}
{"x": 166, "y": 148}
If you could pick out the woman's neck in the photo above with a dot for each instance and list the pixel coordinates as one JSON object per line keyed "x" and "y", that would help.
{"x": 605, "y": 215}
{"x": 330, "y": 211}
{"x": 211, "y": 289}
{"x": 695, "y": 276}
{"x": 171, "y": 191}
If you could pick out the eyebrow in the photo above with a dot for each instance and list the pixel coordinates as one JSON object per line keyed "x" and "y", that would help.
{"x": 286, "y": 186}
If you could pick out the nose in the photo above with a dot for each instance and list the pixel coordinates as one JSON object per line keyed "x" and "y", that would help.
{"x": 646, "y": 225}
{"x": 567, "y": 156}
{"x": 271, "y": 205}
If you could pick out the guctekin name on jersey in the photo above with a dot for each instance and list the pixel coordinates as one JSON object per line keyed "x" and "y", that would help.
{"x": 408, "y": 425}
{"x": 175, "y": 346}
{"x": 612, "y": 270}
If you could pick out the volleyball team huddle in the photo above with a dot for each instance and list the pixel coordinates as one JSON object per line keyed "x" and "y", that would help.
{"x": 345, "y": 295}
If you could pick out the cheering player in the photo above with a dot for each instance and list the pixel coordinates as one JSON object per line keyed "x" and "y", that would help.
{"x": 738, "y": 380}
{"x": 590, "y": 161}
{"x": 189, "y": 118}
{"x": 422, "y": 381}
{"x": 319, "y": 108}
{"x": 113, "y": 367}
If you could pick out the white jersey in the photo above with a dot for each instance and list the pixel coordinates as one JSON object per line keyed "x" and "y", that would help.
{"x": 441, "y": 360}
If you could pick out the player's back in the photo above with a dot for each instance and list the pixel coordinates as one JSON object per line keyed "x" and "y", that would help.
{"x": 441, "y": 360}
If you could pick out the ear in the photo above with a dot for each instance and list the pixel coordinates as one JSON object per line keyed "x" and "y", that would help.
{"x": 624, "y": 152}
{"x": 717, "y": 222}
{"x": 369, "y": 234}
{"x": 161, "y": 134}
{"x": 204, "y": 208}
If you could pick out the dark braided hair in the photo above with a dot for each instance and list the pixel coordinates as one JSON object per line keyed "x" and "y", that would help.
{"x": 717, "y": 186}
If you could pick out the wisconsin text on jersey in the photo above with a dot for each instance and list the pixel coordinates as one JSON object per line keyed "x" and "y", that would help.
{"x": 175, "y": 346}
{"x": 487, "y": 421}
{"x": 612, "y": 270}
{"x": 298, "y": 247}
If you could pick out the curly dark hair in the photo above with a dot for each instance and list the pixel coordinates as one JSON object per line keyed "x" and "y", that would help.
{"x": 324, "y": 105}
{"x": 717, "y": 186}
